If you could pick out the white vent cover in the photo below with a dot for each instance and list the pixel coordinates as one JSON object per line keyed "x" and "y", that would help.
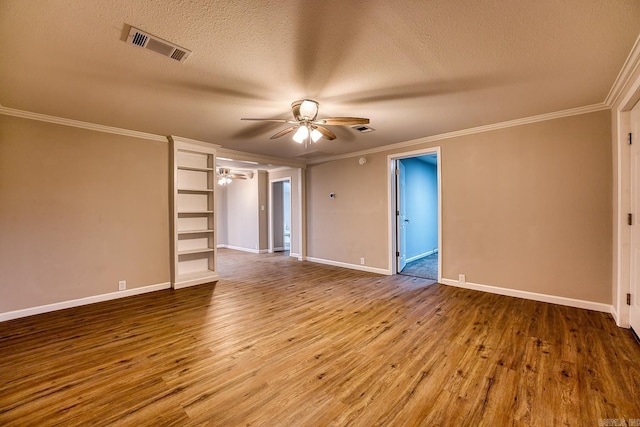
{"x": 145, "y": 40}
{"x": 363, "y": 128}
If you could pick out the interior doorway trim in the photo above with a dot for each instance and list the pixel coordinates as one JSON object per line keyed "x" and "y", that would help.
{"x": 270, "y": 222}
{"x": 391, "y": 204}
{"x": 622, "y": 196}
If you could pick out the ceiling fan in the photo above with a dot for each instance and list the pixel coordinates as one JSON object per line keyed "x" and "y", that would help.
{"x": 309, "y": 127}
{"x": 225, "y": 176}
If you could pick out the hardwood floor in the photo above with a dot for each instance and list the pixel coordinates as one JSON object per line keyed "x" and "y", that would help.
{"x": 277, "y": 342}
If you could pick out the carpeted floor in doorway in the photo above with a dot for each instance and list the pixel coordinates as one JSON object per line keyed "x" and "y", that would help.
{"x": 426, "y": 268}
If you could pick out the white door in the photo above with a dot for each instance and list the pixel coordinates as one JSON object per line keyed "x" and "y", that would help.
{"x": 401, "y": 216}
{"x": 634, "y": 310}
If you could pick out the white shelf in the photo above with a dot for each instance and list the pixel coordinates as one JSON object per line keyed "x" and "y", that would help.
{"x": 192, "y": 168}
{"x": 180, "y": 233}
{"x": 195, "y": 190}
{"x": 195, "y": 251}
{"x": 194, "y": 212}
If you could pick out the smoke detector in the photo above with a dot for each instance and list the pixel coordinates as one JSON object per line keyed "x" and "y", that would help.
{"x": 148, "y": 41}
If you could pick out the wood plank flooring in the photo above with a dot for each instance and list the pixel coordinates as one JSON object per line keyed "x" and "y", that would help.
{"x": 277, "y": 342}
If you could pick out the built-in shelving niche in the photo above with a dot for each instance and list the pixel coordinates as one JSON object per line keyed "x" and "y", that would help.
{"x": 193, "y": 216}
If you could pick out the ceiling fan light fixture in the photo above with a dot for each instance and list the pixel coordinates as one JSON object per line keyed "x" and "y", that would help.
{"x": 301, "y": 134}
{"x": 308, "y": 128}
{"x": 224, "y": 176}
{"x": 309, "y": 109}
{"x": 316, "y": 135}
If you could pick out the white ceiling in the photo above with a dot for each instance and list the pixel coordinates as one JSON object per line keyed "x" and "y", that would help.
{"x": 415, "y": 68}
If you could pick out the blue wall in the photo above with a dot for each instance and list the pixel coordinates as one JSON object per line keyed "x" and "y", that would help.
{"x": 421, "y": 190}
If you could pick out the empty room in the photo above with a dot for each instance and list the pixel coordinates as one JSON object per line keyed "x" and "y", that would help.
{"x": 220, "y": 213}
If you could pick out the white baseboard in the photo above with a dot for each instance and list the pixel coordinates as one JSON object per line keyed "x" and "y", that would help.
{"x": 571, "y": 302}
{"x": 185, "y": 283}
{"x": 614, "y": 314}
{"x": 238, "y": 248}
{"x": 616, "y": 318}
{"x": 422, "y": 255}
{"x": 9, "y": 315}
{"x": 351, "y": 266}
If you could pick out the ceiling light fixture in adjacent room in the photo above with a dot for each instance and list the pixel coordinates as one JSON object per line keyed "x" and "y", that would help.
{"x": 225, "y": 176}
{"x": 224, "y": 181}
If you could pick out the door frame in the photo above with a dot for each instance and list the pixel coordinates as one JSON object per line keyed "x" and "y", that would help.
{"x": 628, "y": 96}
{"x": 392, "y": 207}
{"x": 271, "y": 182}
{"x": 401, "y": 208}
{"x": 634, "y": 262}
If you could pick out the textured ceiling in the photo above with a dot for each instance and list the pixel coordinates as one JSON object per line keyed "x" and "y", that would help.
{"x": 415, "y": 68}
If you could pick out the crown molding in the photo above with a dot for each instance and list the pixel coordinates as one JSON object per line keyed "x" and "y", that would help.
{"x": 241, "y": 155}
{"x": 280, "y": 169}
{"x": 470, "y": 131}
{"x": 626, "y": 72}
{"x": 191, "y": 141}
{"x": 79, "y": 124}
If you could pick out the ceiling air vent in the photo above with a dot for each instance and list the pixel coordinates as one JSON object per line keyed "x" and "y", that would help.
{"x": 363, "y": 128}
{"x": 163, "y": 47}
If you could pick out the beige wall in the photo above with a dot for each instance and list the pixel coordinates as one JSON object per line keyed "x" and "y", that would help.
{"x": 525, "y": 208}
{"x": 241, "y": 212}
{"x": 79, "y": 211}
{"x": 221, "y": 214}
{"x": 352, "y": 225}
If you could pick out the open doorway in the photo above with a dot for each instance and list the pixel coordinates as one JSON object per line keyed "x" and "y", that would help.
{"x": 416, "y": 233}
{"x": 243, "y": 208}
{"x": 280, "y": 214}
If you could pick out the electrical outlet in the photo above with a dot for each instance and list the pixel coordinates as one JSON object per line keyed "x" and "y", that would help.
{"x": 361, "y": 261}
{"x": 462, "y": 278}
{"x": 122, "y": 285}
